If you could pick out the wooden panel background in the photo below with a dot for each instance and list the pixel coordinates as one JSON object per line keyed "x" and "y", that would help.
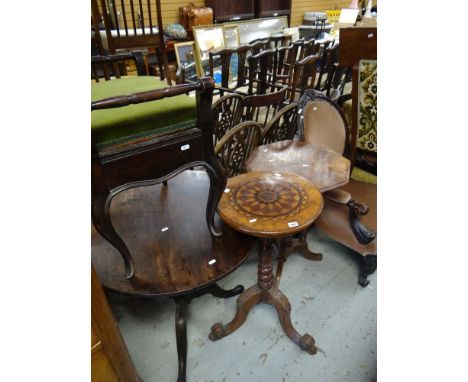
{"x": 170, "y": 9}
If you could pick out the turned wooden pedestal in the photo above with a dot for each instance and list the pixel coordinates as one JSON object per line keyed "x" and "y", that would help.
{"x": 269, "y": 205}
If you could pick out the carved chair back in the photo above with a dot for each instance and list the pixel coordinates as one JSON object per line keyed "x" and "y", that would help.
{"x": 303, "y": 76}
{"x": 285, "y": 56}
{"x": 236, "y": 145}
{"x": 275, "y": 42}
{"x": 328, "y": 57}
{"x": 322, "y": 121}
{"x": 227, "y": 113}
{"x": 225, "y": 61}
{"x": 308, "y": 48}
{"x": 262, "y": 68}
{"x": 282, "y": 126}
{"x": 261, "y": 108}
{"x": 337, "y": 79}
{"x": 242, "y": 65}
{"x": 258, "y": 45}
{"x": 114, "y": 66}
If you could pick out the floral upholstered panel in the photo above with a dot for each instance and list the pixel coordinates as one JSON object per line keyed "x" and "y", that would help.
{"x": 367, "y": 110}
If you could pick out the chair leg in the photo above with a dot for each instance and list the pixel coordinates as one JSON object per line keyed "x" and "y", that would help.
{"x": 368, "y": 266}
{"x": 103, "y": 224}
{"x": 181, "y": 335}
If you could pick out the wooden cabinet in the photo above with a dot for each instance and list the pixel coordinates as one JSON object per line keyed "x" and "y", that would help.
{"x": 110, "y": 361}
{"x": 268, "y": 8}
{"x": 228, "y": 10}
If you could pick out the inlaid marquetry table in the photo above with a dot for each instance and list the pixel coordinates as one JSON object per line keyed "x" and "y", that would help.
{"x": 319, "y": 164}
{"x": 268, "y": 205}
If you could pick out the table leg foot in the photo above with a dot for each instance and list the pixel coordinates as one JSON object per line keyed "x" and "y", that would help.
{"x": 303, "y": 247}
{"x": 245, "y": 301}
{"x": 283, "y": 308}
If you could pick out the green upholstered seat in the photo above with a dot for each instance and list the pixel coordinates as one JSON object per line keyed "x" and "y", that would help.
{"x": 134, "y": 122}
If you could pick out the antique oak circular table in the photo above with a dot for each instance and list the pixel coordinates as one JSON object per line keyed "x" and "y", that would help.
{"x": 319, "y": 164}
{"x": 174, "y": 253}
{"x": 268, "y": 205}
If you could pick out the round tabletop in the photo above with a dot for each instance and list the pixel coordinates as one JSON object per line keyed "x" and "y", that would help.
{"x": 270, "y": 204}
{"x": 166, "y": 232}
{"x": 319, "y": 164}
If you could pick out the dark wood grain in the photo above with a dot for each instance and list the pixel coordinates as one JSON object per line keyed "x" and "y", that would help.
{"x": 120, "y": 168}
{"x": 176, "y": 260}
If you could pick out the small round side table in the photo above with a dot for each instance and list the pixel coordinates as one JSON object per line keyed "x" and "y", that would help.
{"x": 268, "y": 205}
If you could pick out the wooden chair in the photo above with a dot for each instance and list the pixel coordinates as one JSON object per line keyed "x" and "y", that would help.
{"x": 258, "y": 45}
{"x": 282, "y": 126}
{"x": 139, "y": 27}
{"x": 308, "y": 48}
{"x": 175, "y": 133}
{"x": 303, "y": 77}
{"x": 227, "y": 113}
{"x": 286, "y": 57}
{"x": 225, "y": 56}
{"x": 322, "y": 121}
{"x": 262, "y": 69}
{"x": 236, "y": 145}
{"x": 326, "y": 62}
{"x": 111, "y": 66}
{"x": 275, "y": 42}
{"x": 262, "y": 108}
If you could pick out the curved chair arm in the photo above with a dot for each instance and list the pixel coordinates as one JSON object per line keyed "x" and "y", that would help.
{"x": 282, "y": 126}
{"x": 236, "y": 146}
{"x": 363, "y": 234}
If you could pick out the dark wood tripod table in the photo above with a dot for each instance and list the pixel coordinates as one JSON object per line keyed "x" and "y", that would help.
{"x": 268, "y": 205}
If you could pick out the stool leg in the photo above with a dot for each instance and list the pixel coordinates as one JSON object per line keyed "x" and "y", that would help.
{"x": 244, "y": 303}
{"x": 181, "y": 336}
{"x": 283, "y": 307}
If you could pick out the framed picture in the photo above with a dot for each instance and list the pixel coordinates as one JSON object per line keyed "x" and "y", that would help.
{"x": 185, "y": 55}
{"x": 231, "y": 36}
{"x": 250, "y": 30}
{"x": 207, "y": 39}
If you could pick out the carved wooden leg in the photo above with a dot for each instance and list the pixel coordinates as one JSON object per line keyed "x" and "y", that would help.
{"x": 284, "y": 245}
{"x": 245, "y": 301}
{"x": 304, "y": 248}
{"x": 368, "y": 266}
{"x": 283, "y": 307}
{"x": 181, "y": 335}
{"x": 103, "y": 224}
{"x": 288, "y": 244}
{"x": 217, "y": 291}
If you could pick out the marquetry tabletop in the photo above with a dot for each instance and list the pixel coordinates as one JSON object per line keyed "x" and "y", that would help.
{"x": 270, "y": 204}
